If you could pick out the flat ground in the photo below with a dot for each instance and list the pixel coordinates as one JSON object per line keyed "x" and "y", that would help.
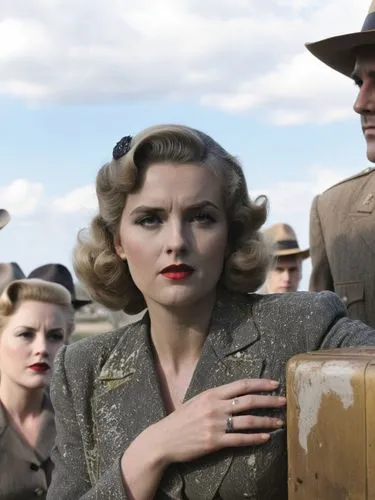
{"x": 86, "y": 328}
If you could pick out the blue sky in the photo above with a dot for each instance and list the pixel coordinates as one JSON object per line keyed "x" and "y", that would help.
{"x": 236, "y": 70}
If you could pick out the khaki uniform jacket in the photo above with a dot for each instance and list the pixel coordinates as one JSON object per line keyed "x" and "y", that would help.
{"x": 342, "y": 244}
{"x": 25, "y": 472}
{"x": 105, "y": 393}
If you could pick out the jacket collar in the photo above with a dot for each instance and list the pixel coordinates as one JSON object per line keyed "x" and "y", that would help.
{"x": 46, "y": 437}
{"x": 232, "y": 329}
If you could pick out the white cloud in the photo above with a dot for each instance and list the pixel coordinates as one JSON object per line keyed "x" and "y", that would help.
{"x": 22, "y": 197}
{"x": 298, "y": 91}
{"x": 81, "y": 200}
{"x": 235, "y": 55}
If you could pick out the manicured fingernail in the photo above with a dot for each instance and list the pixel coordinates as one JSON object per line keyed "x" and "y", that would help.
{"x": 266, "y": 436}
{"x": 280, "y": 422}
{"x": 275, "y": 383}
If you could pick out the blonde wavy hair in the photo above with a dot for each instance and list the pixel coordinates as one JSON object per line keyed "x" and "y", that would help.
{"x": 39, "y": 290}
{"x": 107, "y": 277}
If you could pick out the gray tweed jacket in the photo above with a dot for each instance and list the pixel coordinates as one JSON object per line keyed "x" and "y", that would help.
{"x": 105, "y": 392}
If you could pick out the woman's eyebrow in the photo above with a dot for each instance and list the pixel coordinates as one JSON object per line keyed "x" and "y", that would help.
{"x": 155, "y": 208}
{"x": 146, "y": 208}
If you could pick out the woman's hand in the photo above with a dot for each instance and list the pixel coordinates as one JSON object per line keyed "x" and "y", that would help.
{"x": 204, "y": 424}
{"x": 211, "y": 421}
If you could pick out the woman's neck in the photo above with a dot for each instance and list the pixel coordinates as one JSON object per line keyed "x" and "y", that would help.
{"x": 179, "y": 334}
{"x": 20, "y": 403}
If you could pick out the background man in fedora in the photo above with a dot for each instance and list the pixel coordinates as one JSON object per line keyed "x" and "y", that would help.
{"x": 61, "y": 275}
{"x": 342, "y": 221}
{"x": 286, "y": 269}
{"x": 4, "y": 218}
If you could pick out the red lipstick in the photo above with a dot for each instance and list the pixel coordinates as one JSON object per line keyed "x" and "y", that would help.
{"x": 40, "y": 367}
{"x": 177, "y": 272}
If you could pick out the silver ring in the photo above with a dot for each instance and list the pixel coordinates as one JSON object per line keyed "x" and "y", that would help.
{"x": 229, "y": 424}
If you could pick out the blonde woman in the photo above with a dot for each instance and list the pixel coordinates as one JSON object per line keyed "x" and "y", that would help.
{"x": 188, "y": 403}
{"x": 36, "y": 318}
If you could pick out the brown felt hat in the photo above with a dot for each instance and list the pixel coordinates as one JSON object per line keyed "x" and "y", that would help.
{"x": 338, "y": 52}
{"x": 4, "y": 217}
{"x": 282, "y": 241}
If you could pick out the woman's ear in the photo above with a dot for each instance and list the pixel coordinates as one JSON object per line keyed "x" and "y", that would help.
{"x": 118, "y": 247}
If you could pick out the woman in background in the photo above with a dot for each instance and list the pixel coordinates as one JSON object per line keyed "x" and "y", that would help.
{"x": 36, "y": 318}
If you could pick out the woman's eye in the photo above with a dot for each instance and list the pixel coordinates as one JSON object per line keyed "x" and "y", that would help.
{"x": 56, "y": 337}
{"x": 149, "y": 220}
{"x": 26, "y": 334}
{"x": 358, "y": 82}
{"x": 203, "y": 218}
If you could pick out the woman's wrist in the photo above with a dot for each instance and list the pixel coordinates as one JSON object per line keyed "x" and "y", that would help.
{"x": 142, "y": 467}
{"x": 144, "y": 458}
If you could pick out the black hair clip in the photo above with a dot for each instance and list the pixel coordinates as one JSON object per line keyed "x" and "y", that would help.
{"x": 122, "y": 147}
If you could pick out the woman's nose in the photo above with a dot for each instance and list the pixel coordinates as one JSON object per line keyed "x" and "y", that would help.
{"x": 177, "y": 238}
{"x": 40, "y": 345}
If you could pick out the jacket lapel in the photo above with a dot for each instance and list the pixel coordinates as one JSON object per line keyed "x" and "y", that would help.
{"x": 127, "y": 400}
{"x": 127, "y": 397}
{"x": 229, "y": 353}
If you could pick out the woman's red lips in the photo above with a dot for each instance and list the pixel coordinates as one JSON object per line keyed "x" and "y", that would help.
{"x": 39, "y": 367}
{"x": 177, "y": 271}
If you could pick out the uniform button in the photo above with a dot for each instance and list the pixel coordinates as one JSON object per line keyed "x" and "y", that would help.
{"x": 39, "y": 492}
{"x": 34, "y": 466}
{"x": 345, "y": 299}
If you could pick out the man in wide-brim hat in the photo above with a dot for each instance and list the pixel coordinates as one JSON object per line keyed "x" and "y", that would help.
{"x": 4, "y": 218}
{"x": 285, "y": 272}
{"x": 342, "y": 221}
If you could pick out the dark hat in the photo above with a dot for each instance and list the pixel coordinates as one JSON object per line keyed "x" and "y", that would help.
{"x": 282, "y": 241}
{"x": 9, "y": 271}
{"x": 338, "y": 52}
{"x": 57, "y": 273}
{"x": 4, "y": 217}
